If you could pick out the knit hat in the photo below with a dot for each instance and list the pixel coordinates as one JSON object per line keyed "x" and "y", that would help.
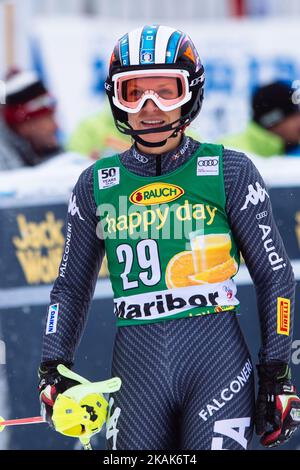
{"x": 26, "y": 96}
{"x": 271, "y": 104}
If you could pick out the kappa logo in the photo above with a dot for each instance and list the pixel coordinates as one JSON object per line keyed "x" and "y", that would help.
{"x": 73, "y": 209}
{"x": 255, "y": 196}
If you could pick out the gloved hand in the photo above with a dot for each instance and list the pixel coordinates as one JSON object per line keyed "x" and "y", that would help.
{"x": 50, "y": 385}
{"x": 71, "y": 404}
{"x": 277, "y": 413}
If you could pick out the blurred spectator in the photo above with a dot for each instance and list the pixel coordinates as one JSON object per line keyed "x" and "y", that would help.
{"x": 275, "y": 125}
{"x": 97, "y": 136}
{"x": 28, "y": 130}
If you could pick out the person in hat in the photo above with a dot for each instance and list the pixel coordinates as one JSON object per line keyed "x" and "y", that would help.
{"x": 275, "y": 125}
{"x": 28, "y": 129}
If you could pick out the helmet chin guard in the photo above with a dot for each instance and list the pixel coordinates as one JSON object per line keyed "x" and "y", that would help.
{"x": 136, "y": 134}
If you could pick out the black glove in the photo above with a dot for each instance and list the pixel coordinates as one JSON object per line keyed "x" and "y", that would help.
{"x": 277, "y": 413}
{"x": 51, "y": 384}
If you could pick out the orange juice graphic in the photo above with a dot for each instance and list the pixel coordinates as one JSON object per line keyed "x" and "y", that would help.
{"x": 208, "y": 262}
{"x": 211, "y": 257}
{"x": 209, "y": 250}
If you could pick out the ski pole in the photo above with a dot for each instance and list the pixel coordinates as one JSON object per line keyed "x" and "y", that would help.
{"x": 37, "y": 420}
{"x": 15, "y": 422}
{"x": 19, "y": 421}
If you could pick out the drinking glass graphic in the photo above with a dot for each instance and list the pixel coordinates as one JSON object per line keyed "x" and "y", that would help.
{"x": 211, "y": 257}
{"x": 208, "y": 262}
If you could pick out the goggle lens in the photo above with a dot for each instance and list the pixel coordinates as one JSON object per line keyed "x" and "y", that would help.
{"x": 167, "y": 90}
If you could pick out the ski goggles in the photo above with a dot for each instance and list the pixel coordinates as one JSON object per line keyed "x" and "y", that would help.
{"x": 167, "y": 89}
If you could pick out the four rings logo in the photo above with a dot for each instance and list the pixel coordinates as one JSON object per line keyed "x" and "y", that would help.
{"x": 140, "y": 158}
{"x": 208, "y": 166}
{"x": 214, "y": 162}
{"x": 261, "y": 215}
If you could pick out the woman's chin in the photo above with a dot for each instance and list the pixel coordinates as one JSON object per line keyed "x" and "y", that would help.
{"x": 156, "y": 137}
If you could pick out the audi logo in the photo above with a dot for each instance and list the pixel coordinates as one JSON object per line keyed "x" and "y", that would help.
{"x": 262, "y": 215}
{"x": 140, "y": 158}
{"x": 208, "y": 162}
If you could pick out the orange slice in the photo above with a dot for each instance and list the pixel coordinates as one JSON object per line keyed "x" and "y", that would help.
{"x": 180, "y": 270}
{"x": 219, "y": 273}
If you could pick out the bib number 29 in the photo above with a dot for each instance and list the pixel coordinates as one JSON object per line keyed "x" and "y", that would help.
{"x": 147, "y": 258}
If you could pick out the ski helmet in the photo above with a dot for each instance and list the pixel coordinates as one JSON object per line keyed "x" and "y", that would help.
{"x": 155, "y": 51}
{"x": 77, "y": 418}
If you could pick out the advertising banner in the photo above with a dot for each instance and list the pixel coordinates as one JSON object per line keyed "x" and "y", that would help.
{"x": 237, "y": 55}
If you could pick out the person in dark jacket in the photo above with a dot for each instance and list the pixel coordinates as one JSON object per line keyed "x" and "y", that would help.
{"x": 275, "y": 126}
{"x": 28, "y": 128}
